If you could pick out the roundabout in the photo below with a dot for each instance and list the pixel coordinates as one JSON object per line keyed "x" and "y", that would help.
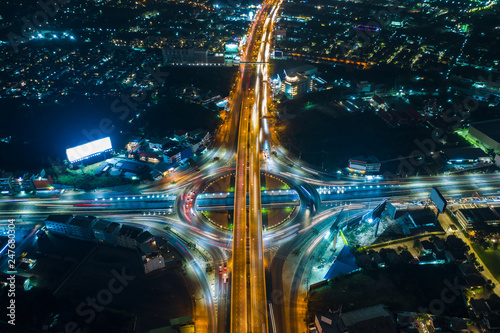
{"x": 214, "y": 201}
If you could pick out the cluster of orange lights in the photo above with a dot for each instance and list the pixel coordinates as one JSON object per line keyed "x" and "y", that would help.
{"x": 346, "y": 61}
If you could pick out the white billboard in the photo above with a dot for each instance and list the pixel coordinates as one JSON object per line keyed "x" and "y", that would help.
{"x": 90, "y": 149}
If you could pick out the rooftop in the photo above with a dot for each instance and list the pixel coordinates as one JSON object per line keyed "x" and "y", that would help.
{"x": 132, "y": 232}
{"x": 305, "y": 69}
{"x": 143, "y": 237}
{"x": 467, "y": 153}
{"x": 112, "y": 227}
{"x": 42, "y": 184}
{"x": 101, "y": 225}
{"x": 59, "y": 218}
{"x": 490, "y": 128}
{"x": 479, "y": 214}
{"x": 82, "y": 221}
{"x": 354, "y": 317}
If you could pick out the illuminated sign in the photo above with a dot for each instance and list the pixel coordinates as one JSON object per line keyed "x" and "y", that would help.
{"x": 90, "y": 149}
{"x": 232, "y": 47}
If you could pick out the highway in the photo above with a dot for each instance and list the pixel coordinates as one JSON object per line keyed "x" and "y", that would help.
{"x": 259, "y": 315}
{"x": 248, "y": 181}
{"x": 239, "y": 311}
{"x": 247, "y": 301}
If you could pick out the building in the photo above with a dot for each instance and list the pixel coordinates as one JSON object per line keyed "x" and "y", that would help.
{"x": 201, "y": 134}
{"x": 363, "y": 165}
{"x": 373, "y": 319}
{"x": 133, "y": 144}
{"x": 105, "y": 231}
{"x": 378, "y": 102}
{"x": 163, "y": 168}
{"x": 7, "y": 184}
{"x": 280, "y": 34}
{"x": 42, "y": 184}
{"x": 81, "y": 227}
{"x": 470, "y": 218}
{"x": 170, "y": 156}
{"x": 425, "y": 247}
{"x": 152, "y": 262}
{"x": 130, "y": 167}
{"x": 151, "y": 258}
{"x": 180, "y": 135}
{"x": 325, "y": 323}
{"x": 231, "y": 53}
{"x": 150, "y": 157}
{"x": 58, "y": 223}
{"x": 194, "y": 56}
{"x": 99, "y": 230}
{"x": 144, "y": 237}
{"x": 364, "y": 87}
{"x": 198, "y": 140}
{"x": 298, "y": 81}
{"x": 296, "y": 85}
{"x": 127, "y": 237}
{"x": 23, "y": 182}
{"x": 399, "y": 23}
{"x": 111, "y": 232}
{"x": 158, "y": 143}
{"x": 468, "y": 155}
{"x": 487, "y": 133}
{"x": 177, "y": 155}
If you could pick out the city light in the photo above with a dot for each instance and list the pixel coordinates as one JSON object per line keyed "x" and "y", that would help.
{"x": 265, "y": 157}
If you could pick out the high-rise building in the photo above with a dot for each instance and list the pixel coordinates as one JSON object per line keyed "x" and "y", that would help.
{"x": 298, "y": 81}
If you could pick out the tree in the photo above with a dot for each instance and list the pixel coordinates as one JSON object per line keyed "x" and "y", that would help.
{"x": 81, "y": 167}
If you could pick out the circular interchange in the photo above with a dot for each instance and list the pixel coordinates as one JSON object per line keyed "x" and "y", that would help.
{"x": 221, "y": 191}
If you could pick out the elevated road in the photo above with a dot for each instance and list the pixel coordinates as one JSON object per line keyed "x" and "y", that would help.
{"x": 259, "y": 315}
{"x": 249, "y": 307}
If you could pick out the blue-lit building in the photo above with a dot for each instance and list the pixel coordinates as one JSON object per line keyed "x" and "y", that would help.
{"x": 105, "y": 231}
{"x": 58, "y": 223}
{"x": 81, "y": 227}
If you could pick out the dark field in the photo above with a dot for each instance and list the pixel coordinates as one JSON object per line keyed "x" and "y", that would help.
{"x": 330, "y": 141}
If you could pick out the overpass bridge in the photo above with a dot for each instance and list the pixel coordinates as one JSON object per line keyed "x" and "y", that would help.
{"x": 225, "y": 200}
{"x": 248, "y": 288}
